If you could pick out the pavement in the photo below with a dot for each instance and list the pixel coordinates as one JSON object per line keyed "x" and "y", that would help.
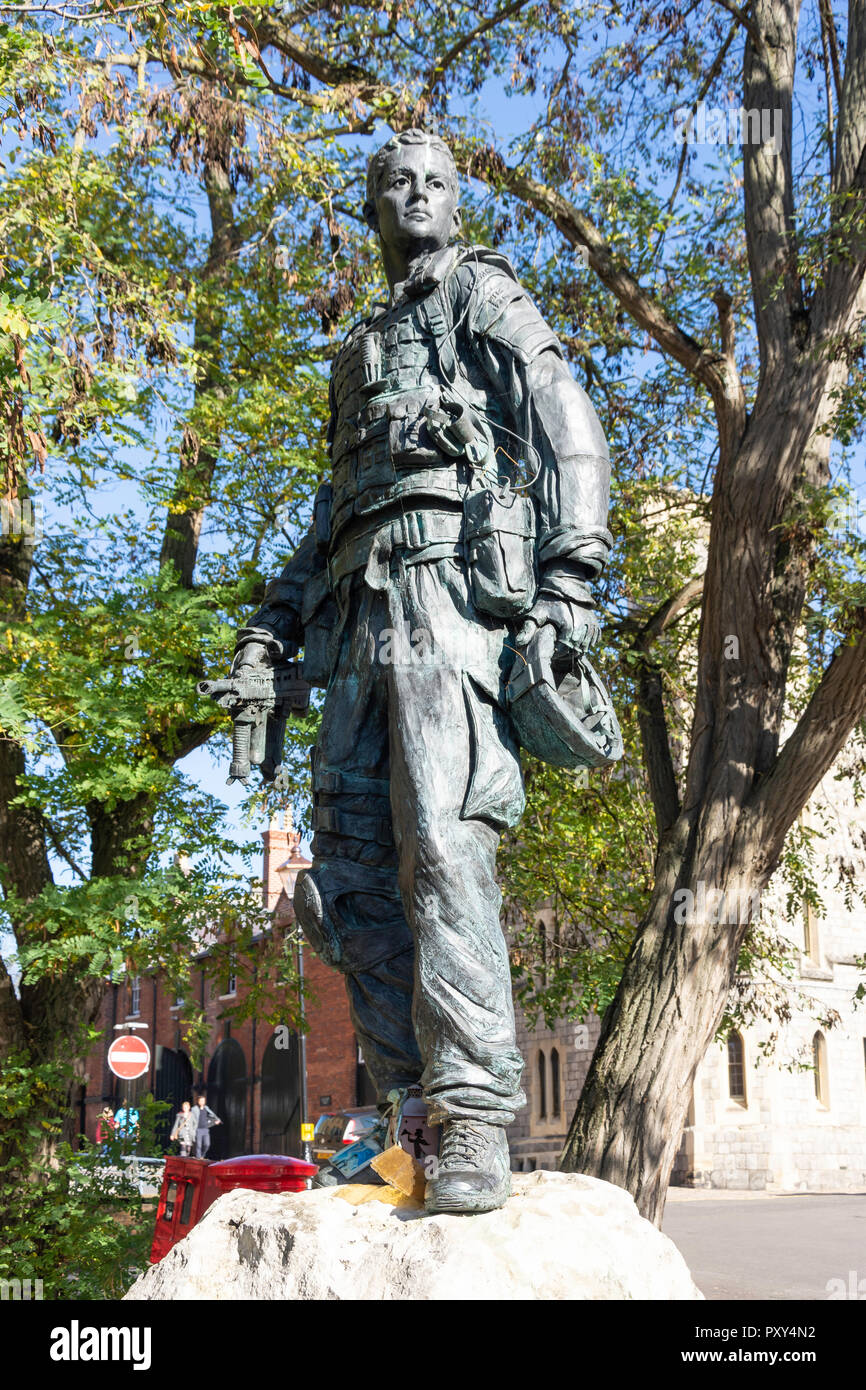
{"x": 747, "y": 1245}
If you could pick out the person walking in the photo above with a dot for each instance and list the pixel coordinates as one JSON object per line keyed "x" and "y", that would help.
{"x": 205, "y": 1119}
{"x": 184, "y": 1129}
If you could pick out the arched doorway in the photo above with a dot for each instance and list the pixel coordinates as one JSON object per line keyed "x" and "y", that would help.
{"x": 281, "y": 1097}
{"x": 227, "y": 1095}
{"x": 174, "y": 1084}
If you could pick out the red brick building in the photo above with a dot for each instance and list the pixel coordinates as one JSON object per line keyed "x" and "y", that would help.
{"x": 252, "y": 1073}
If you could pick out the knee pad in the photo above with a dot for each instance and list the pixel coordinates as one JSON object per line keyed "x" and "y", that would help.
{"x": 310, "y": 912}
{"x": 352, "y": 919}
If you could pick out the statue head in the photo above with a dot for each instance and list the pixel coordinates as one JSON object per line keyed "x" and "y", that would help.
{"x": 413, "y": 192}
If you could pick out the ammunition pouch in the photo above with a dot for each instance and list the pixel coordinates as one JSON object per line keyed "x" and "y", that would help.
{"x": 322, "y": 517}
{"x": 500, "y": 550}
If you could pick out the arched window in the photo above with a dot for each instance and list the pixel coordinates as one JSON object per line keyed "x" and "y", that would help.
{"x": 280, "y": 1109}
{"x": 542, "y": 1086}
{"x": 737, "y": 1068}
{"x": 819, "y": 1062}
{"x": 555, "y": 1085}
{"x": 811, "y": 945}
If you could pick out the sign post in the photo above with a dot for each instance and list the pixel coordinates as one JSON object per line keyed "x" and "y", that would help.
{"x": 128, "y": 1058}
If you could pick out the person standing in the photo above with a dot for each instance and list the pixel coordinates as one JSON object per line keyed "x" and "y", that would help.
{"x": 205, "y": 1119}
{"x": 126, "y": 1121}
{"x": 105, "y": 1128}
{"x": 184, "y": 1129}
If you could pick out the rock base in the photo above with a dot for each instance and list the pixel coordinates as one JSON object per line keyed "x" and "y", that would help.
{"x": 560, "y": 1236}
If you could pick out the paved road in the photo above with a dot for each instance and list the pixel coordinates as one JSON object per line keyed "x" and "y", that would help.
{"x": 785, "y": 1247}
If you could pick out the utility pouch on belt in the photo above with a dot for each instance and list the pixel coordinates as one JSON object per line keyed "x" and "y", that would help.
{"x": 500, "y": 550}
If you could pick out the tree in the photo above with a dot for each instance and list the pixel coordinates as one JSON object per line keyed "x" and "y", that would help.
{"x": 127, "y": 366}
{"x": 712, "y": 297}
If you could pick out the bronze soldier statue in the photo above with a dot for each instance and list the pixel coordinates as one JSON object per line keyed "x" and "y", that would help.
{"x": 443, "y": 595}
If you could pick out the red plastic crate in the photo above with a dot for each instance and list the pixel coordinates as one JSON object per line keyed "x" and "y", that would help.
{"x": 191, "y": 1185}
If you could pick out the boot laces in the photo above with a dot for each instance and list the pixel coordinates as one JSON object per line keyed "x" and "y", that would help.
{"x": 464, "y": 1143}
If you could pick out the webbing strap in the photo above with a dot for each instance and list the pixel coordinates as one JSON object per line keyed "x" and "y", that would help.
{"x": 436, "y": 311}
{"x": 354, "y": 827}
{"x": 333, "y": 782}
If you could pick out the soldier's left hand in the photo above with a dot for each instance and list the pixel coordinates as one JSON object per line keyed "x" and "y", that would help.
{"x": 576, "y": 625}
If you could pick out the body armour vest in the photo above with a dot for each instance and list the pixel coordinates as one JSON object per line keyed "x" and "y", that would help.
{"x": 385, "y": 377}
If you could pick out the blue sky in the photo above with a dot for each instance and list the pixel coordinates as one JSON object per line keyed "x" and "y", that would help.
{"x": 509, "y": 115}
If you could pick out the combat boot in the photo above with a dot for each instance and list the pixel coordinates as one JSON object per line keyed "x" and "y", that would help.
{"x": 474, "y": 1172}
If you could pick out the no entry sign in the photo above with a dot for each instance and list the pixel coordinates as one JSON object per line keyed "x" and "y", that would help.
{"x": 129, "y": 1057}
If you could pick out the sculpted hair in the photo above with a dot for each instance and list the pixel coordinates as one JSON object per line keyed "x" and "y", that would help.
{"x": 405, "y": 137}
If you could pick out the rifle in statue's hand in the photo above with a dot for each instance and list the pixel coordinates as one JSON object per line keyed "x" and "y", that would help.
{"x": 259, "y": 700}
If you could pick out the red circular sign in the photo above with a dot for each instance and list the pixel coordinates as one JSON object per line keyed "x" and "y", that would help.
{"x": 129, "y": 1057}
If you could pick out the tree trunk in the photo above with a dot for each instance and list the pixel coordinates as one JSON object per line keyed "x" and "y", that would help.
{"x": 198, "y": 458}
{"x": 47, "y": 1019}
{"x": 741, "y": 794}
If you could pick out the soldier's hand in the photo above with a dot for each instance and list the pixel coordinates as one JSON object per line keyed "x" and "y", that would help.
{"x": 252, "y": 657}
{"x": 575, "y": 625}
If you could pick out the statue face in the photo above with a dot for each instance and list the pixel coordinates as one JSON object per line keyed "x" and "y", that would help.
{"x": 416, "y": 201}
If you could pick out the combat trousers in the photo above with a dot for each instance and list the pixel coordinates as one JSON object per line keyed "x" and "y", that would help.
{"x": 415, "y": 774}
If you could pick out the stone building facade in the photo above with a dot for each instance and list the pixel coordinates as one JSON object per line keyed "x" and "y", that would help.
{"x": 556, "y": 1063}
{"x": 798, "y": 1124}
{"x": 790, "y": 1120}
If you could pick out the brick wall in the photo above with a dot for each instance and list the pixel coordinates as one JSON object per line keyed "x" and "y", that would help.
{"x": 332, "y": 1049}
{"x": 330, "y": 1040}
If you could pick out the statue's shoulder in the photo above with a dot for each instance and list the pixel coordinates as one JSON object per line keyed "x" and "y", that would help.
{"x": 356, "y": 329}
{"x": 485, "y": 293}
{"x": 476, "y": 266}
{"x": 495, "y": 305}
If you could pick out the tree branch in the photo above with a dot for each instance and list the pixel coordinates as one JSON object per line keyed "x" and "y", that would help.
{"x": 197, "y": 458}
{"x": 828, "y": 34}
{"x": 742, "y": 18}
{"x": 654, "y": 734}
{"x": 824, "y": 11}
{"x": 836, "y": 706}
{"x": 267, "y": 30}
{"x": 710, "y": 368}
{"x": 437, "y": 72}
{"x": 707, "y": 83}
{"x": 768, "y": 187}
{"x": 59, "y": 848}
{"x": 846, "y": 244}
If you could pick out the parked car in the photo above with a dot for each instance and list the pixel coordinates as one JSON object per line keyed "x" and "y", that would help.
{"x": 333, "y": 1131}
